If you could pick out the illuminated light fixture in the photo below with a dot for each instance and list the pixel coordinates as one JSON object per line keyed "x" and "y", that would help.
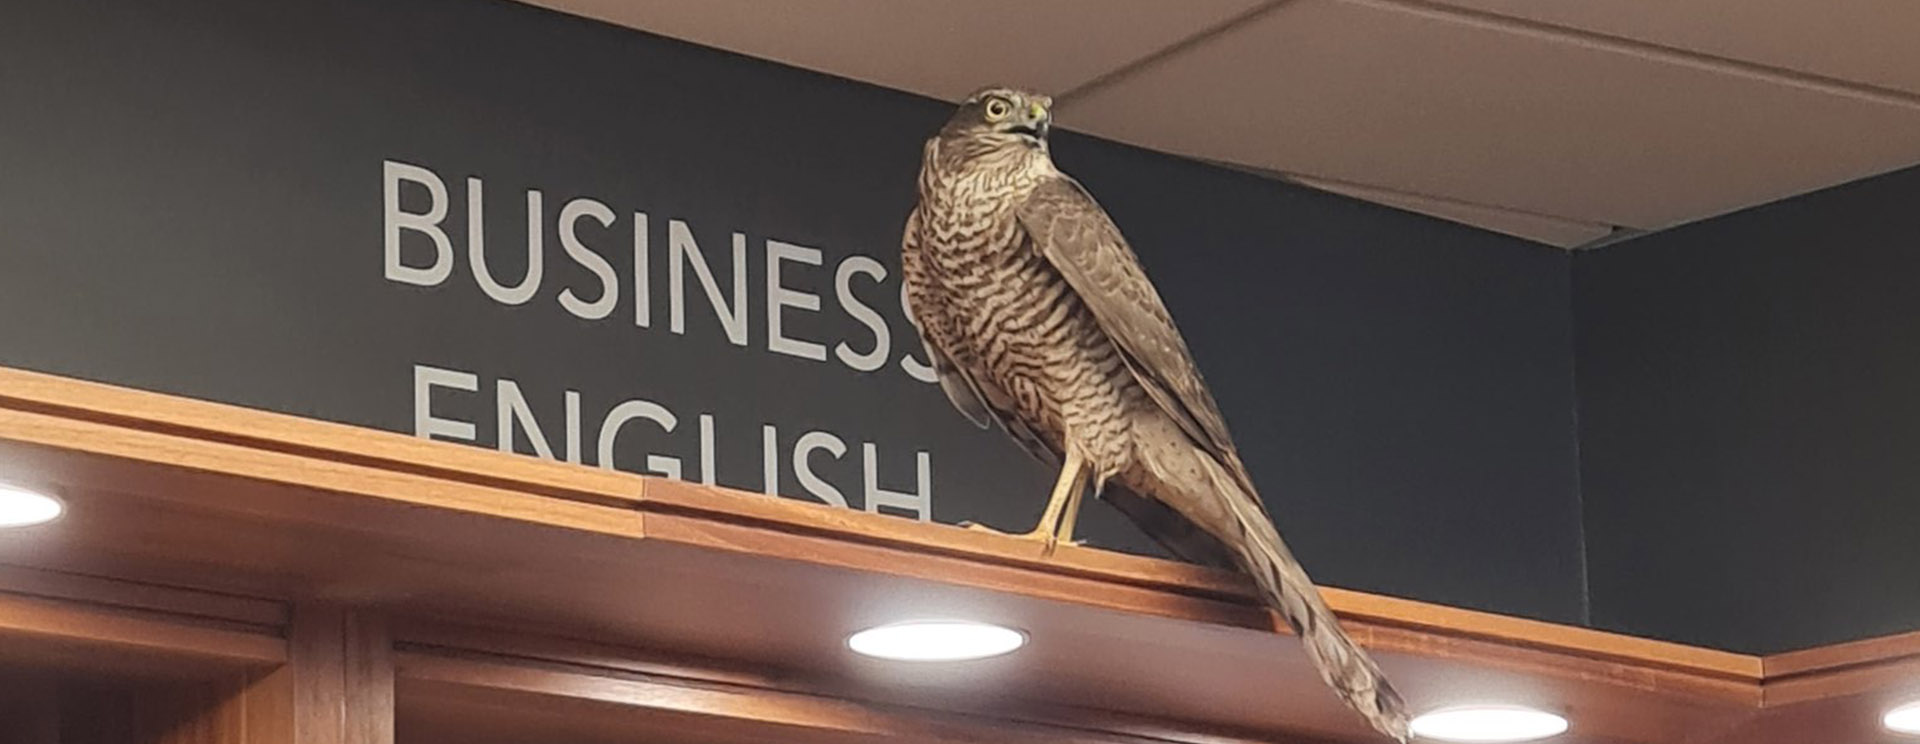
{"x": 20, "y": 507}
{"x": 1904, "y": 719}
{"x": 936, "y": 640}
{"x": 1488, "y": 723}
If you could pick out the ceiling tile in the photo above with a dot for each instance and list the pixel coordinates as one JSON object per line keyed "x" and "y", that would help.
{"x": 937, "y": 48}
{"x": 1865, "y": 41}
{"x": 1377, "y": 93}
{"x": 1540, "y": 229}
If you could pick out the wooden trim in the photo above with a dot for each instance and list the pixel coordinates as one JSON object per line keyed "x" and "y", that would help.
{"x": 1018, "y": 577}
{"x": 1898, "y": 674}
{"x": 368, "y": 647}
{"x": 1828, "y": 659}
{"x": 1584, "y": 642}
{"x": 119, "y": 431}
{"x": 460, "y": 637}
{"x": 706, "y": 506}
{"x": 260, "y": 613}
{"x": 1842, "y": 669}
{"x": 424, "y": 638}
{"x": 24, "y": 618}
{"x": 214, "y": 456}
{"x": 96, "y": 409}
{"x": 142, "y": 426}
{"x": 126, "y": 408}
{"x": 335, "y": 687}
{"x": 420, "y": 638}
{"x": 773, "y": 714}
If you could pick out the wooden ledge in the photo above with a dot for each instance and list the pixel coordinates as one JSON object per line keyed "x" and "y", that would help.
{"x": 242, "y": 503}
{"x": 698, "y": 515}
{"x": 58, "y": 619}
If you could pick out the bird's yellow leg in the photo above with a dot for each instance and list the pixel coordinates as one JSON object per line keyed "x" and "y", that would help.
{"x": 1063, "y": 507}
{"x": 1071, "y": 515}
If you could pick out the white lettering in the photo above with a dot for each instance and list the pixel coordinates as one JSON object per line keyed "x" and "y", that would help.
{"x": 425, "y": 424}
{"x": 733, "y": 318}
{"x": 780, "y": 298}
{"x": 769, "y": 460}
{"x": 706, "y": 448}
{"x": 573, "y": 426}
{"x": 514, "y": 414}
{"x": 882, "y": 339}
{"x": 511, "y": 409}
{"x": 642, "y": 273}
{"x": 803, "y": 468}
{"x": 477, "y": 249}
{"x": 570, "y": 240}
{"x": 636, "y": 409}
{"x": 920, "y": 502}
{"x": 428, "y": 222}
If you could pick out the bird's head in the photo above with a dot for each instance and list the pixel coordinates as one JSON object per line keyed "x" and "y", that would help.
{"x": 1008, "y": 114}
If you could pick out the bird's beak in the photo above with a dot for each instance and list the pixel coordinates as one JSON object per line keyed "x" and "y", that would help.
{"x": 1038, "y": 113}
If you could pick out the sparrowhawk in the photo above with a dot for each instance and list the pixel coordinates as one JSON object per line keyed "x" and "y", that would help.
{"x": 1037, "y": 316}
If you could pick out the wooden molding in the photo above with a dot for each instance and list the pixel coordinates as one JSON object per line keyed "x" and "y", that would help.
{"x": 261, "y": 614}
{"x": 220, "y": 518}
{"x": 117, "y": 637}
{"x": 523, "y": 699}
{"x": 690, "y": 513}
{"x": 447, "y": 655}
{"x": 1890, "y": 663}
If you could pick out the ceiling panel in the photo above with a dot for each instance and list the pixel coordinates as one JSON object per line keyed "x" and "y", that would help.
{"x": 938, "y": 48}
{"x": 1865, "y": 41}
{"x": 1538, "y": 228}
{"x": 1397, "y": 96}
{"x": 1549, "y": 126}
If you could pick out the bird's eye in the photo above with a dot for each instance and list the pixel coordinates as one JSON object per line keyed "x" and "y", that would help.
{"x": 998, "y": 108}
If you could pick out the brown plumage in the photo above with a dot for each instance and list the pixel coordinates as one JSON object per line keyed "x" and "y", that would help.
{"x": 1038, "y": 317}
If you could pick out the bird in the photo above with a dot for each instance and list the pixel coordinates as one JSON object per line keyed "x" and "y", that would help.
{"x": 1038, "y": 318}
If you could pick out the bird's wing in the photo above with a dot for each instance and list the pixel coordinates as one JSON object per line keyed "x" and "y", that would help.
{"x": 1168, "y": 528}
{"x": 958, "y": 387}
{"x": 1071, "y": 230}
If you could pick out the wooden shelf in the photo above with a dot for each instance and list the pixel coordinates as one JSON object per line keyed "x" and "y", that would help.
{"x": 664, "y": 602}
{"x": 60, "y": 621}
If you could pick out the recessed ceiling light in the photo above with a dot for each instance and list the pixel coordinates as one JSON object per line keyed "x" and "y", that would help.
{"x": 20, "y": 507}
{"x": 1489, "y": 723}
{"x": 1904, "y": 719}
{"x": 936, "y": 640}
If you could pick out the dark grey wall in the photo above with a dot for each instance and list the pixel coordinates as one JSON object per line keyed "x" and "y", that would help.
{"x": 191, "y": 202}
{"x": 1750, "y": 422}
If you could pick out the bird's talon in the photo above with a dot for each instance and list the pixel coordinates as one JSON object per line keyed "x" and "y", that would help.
{"x": 1053, "y": 545}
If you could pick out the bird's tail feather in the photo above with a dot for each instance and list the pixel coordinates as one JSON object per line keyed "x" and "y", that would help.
{"x": 1342, "y": 664}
